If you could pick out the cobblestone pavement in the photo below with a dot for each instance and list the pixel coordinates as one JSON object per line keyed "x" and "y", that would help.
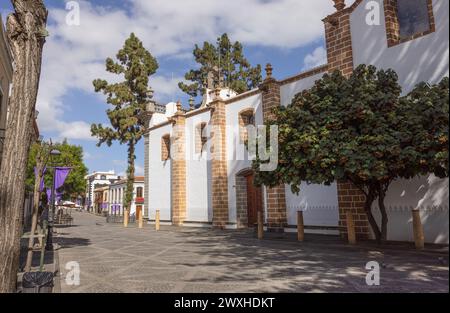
{"x": 114, "y": 259}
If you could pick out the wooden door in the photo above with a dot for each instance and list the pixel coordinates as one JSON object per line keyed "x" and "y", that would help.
{"x": 254, "y": 201}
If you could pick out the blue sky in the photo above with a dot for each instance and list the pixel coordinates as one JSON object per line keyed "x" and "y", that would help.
{"x": 287, "y": 33}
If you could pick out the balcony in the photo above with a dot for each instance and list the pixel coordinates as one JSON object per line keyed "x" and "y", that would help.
{"x": 139, "y": 200}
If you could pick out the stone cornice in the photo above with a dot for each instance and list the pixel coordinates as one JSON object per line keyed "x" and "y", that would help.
{"x": 300, "y": 76}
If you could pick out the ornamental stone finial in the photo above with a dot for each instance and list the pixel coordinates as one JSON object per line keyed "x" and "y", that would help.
{"x": 339, "y": 4}
{"x": 217, "y": 93}
{"x": 269, "y": 70}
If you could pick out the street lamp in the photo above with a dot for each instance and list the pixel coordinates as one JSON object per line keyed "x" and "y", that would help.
{"x": 51, "y": 213}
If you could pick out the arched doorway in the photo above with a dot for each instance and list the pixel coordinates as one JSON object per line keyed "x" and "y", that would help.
{"x": 249, "y": 199}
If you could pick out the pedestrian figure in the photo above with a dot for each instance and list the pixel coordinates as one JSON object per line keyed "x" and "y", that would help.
{"x": 43, "y": 215}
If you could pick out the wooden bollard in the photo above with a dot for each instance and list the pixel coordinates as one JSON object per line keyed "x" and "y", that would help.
{"x": 125, "y": 218}
{"x": 157, "y": 222}
{"x": 300, "y": 226}
{"x": 351, "y": 229}
{"x": 419, "y": 238}
{"x": 260, "y": 225}
{"x": 141, "y": 219}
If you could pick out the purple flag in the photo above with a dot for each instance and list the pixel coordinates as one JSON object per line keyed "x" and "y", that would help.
{"x": 41, "y": 187}
{"x": 58, "y": 196}
{"x": 61, "y": 174}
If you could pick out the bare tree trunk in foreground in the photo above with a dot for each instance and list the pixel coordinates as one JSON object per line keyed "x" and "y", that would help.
{"x": 26, "y": 32}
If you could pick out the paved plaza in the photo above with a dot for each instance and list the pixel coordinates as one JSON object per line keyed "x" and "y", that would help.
{"x": 192, "y": 260}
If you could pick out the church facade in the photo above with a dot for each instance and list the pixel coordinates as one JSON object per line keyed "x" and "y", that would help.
{"x": 198, "y": 168}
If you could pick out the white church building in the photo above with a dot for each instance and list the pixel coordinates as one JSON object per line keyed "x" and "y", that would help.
{"x": 197, "y": 167}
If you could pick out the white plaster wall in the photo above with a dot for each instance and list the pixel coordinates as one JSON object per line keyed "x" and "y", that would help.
{"x": 115, "y": 194}
{"x": 430, "y": 195}
{"x": 319, "y": 204}
{"x": 236, "y": 152}
{"x": 160, "y": 176}
{"x": 198, "y": 173}
{"x": 157, "y": 118}
{"x": 288, "y": 91}
{"x": 422, "y": 59}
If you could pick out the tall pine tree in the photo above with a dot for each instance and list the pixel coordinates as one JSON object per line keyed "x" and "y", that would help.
{"x": 221, "y": 64}
{"x": 128, "y": 99}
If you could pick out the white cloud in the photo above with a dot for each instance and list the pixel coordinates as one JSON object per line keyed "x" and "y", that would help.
{"x": 166, "y": 87}
{"x": 74, "y": 55}
{"x": 139, "y": 170}
{"x": 316, "y": 58}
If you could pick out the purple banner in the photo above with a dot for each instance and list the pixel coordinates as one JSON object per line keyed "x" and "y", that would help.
{"x": 61, "y": 174}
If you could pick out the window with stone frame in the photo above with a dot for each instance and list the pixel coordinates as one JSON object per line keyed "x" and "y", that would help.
{"x": 408, "y": 19}
{"x": 165, "y": 148}
{"x": 246, "y": 118}
{"x": 139, "y": 192}
{"x": 200, "y": 138}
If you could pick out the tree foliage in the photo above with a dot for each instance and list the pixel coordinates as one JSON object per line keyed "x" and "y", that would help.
{"x": 362, "y": 130}
{"x": 128, "y": 98}
{"x": 71, "y": 156}
{"x": 227, "y": 65}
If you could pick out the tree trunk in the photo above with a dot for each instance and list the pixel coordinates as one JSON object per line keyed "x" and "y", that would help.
{"x": 384, "y": 216}
{"x": 40, "y": 165}
{"x": 370, "y": 198}
{"x": 130, "y": 173}
{"x": 25, "y": 30}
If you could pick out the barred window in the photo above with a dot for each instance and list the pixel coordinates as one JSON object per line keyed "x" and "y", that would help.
{"x": 165, "y": 148}
{"x": 246, "y": 118}
{"x": 408, "y": 19}
{"x": 200, "y": 138}
{"x": 139, "y": 192}
{"x": 413, "y": 17}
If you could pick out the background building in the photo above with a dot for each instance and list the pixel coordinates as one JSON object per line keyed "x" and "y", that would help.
{"x": 94, "y": 180}
{"x": 190, "y": 186}
{"x": 101, "y": 197}
{"x": 117, "y": 196}
{"x": 6, "y": 72}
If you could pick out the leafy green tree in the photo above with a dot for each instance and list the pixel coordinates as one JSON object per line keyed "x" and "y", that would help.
{"x": 221, "y": 64}
{"x": 71, "y": 156}
{"x": 128, "y": 98}
{"x": 362, "y": 130}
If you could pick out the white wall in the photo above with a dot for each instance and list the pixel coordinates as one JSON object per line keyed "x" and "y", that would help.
{"x": 422, "y": 59}
{"x": 160, "y": 176}
{"x": 288, "y": 91}
{"x": 319, "y": 202}
{"x": 236, "y": 152}
{"x": 430, "y": 195}
{"x": 198, "y": 173}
